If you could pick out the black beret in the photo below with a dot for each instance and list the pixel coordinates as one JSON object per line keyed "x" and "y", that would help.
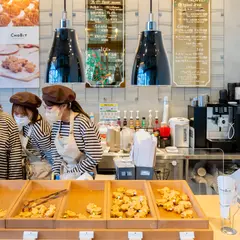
{"x": 58, "y": 94}
{"x": 26, "y": 99}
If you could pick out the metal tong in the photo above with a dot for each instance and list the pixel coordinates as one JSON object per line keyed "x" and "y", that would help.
{"x": 28, "y": 205}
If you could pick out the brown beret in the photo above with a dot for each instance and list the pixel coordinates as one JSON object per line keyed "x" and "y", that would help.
{"x": 26, "y": 99}
{"x": 58, "y": 94}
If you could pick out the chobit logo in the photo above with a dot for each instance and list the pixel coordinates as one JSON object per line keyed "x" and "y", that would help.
{"x": 18, "y": 35}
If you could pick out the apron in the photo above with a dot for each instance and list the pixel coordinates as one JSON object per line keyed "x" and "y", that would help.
{"x": 36, "y": 167}
{"x": 67, "y": 148}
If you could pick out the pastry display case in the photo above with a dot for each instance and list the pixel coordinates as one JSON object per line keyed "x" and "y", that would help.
{"x": 64, "y": 209}
{"x": 10, "y": 191}
{"x": 35, "y": 190}
{"x": 84, "y": 206}
{"x": 135, "y": 189}
{"x": 176, "y": 205}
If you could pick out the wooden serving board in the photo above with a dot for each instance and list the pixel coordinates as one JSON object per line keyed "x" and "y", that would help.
{"x": 173, "y": 220}
{"x": 125, "y": 223}
{"x": 34, "y": 190}
{"x": 10, "y": 191}
{"x": 82, "y": 193}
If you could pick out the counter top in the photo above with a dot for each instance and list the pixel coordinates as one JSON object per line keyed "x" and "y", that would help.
{"x": 210, "y": 205}
{"x": 187, "y": 153}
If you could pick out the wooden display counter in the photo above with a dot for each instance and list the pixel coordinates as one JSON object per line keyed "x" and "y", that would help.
{"x": 208, "y": 206}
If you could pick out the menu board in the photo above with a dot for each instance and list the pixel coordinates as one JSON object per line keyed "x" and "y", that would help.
{"x": 19, "y": 44}
{"x": 191, "y": 43}
{"x": 105, "y": 43}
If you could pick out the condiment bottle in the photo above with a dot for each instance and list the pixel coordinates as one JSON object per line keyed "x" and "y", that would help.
{"x": 150, "y": 125}
{"x": 137, "y": 122}
{"x": 143, "y": 123}
{"x": 125, "y": 123}
{"x": 131, "y": 121}
{"x": 119, "y": 119}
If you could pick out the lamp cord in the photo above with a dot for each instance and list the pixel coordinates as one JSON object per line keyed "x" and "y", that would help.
{"x": 150, "y": 6}
{"x": 65, "y": 6}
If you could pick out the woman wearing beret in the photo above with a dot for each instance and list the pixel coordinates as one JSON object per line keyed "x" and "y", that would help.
{"x": 76, "y": 146}
{"x": 35, "y": 134}
{"x": 10, "y": 149}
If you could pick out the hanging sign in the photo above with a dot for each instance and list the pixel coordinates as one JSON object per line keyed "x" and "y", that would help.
{"x": 19, "y": 44}
{"x": 105, "y": 43}
{"x": 191, "y": 43}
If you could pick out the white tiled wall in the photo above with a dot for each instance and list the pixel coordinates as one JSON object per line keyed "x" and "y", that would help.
{"x": 225, "y": 45}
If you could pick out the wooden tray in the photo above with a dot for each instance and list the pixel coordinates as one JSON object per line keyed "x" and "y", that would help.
{"x": 146, "y": 223}
{"x": 80, "y": 195}
{"x": 108, "y": 234}
{"x": 171, "y": 219}
{"x": 10, "y": 191}
{"x": 34, "y": 190}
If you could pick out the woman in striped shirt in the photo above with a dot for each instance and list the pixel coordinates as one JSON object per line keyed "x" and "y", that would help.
{"x": 35, "y": 134}
{"x": 10, "y": 149}
{"x": 76, "y": 146}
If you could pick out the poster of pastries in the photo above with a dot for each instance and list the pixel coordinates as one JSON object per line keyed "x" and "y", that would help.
{"x": 19, "y": 44}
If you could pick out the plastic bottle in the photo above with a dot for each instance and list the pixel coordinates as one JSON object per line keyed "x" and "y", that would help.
{"x": 143, "y": 123}
{"x": 137, "y": 123}
{"x": 119, "y": 119}
{"x": 150, "y": 124}
{"x": 125, "y": 123}
{"x": 156, "y": 128}
{"x": 131, "y": 121}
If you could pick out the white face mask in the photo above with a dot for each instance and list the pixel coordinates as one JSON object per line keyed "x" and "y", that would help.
{"x": 21, "y": 121}
{"x": 53, "y": 115}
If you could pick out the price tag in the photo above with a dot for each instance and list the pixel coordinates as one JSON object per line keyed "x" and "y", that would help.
{"x": 187, "y": 236}
{"x": 86, "y": 235}
{"x": 135, "y": 235}
{"x": 30, "y": 235}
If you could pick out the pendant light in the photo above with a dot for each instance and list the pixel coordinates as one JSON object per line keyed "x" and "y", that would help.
{"x": 65, "y": 61}
{"x": 151, "y": 65}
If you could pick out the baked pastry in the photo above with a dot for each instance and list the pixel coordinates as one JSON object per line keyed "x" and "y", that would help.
{"x": 121, "y": 190}
{"x": 95, "y": 216}
{"x": 161, "y": 202}
{"x": 187, "y": 214}
{"x": 30, "y": 67}
{"x": 130, "y": 213}
{"x": 4, "y": 19}
{"x": 11, "y": 9}
{"x": 136, "y": 205}
{"x": 118, "y": 195}
{"x": 186, "y": 204}
{"x": 125, "y": 207}
{"x": 36, "y": 4}
{"x": 184, "y": 197}
{"x": 131, "y": 192}
{"x": 126, "y": 199}
{"x": 22, "y": 22}
{"x": 15, "y": 67}
{"x": 4, "y": 1}
{"x": 163, "y": 190}
{"x": 51, "y": 211}
{"x": 168, "y": 206}
{"x": 116, "y": 214}
{"x": 32, "y": 15}
{"x": 118, "y": 202}
{"x": 115, "y": 208}
{"x": 22, "y": 61}
{"x": 140, "y": 215}
{"x": 93, "y": 209}
{"x": 179, "y": 209}
{"x": 21, "y": 3}
{"x": 145, "y": 209}
{"x": 3, "y": 213}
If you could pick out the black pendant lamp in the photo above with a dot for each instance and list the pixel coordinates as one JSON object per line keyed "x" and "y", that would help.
{"x": 65, "y": 61}
{"x": 151, "y": 65}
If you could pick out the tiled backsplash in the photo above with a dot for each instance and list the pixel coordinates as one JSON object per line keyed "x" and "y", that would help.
{"x": 225, "y": 54}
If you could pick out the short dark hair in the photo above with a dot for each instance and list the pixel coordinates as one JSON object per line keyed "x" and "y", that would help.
{"x": 33, "y": 110}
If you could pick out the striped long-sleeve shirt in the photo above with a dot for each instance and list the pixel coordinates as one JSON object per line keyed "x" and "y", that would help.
{"x": 10, "y": 149}
{"x": 87, "y": 137}
{"x": 40, "y": 138}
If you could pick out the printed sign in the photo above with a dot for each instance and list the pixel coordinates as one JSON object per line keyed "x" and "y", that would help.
{"x": 191, "y": 43}
{"x": 108, "y": 112}
{"x": 19, "y": 44}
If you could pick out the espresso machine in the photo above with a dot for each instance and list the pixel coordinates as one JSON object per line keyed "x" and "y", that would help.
{"x": 223, "y": 127}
